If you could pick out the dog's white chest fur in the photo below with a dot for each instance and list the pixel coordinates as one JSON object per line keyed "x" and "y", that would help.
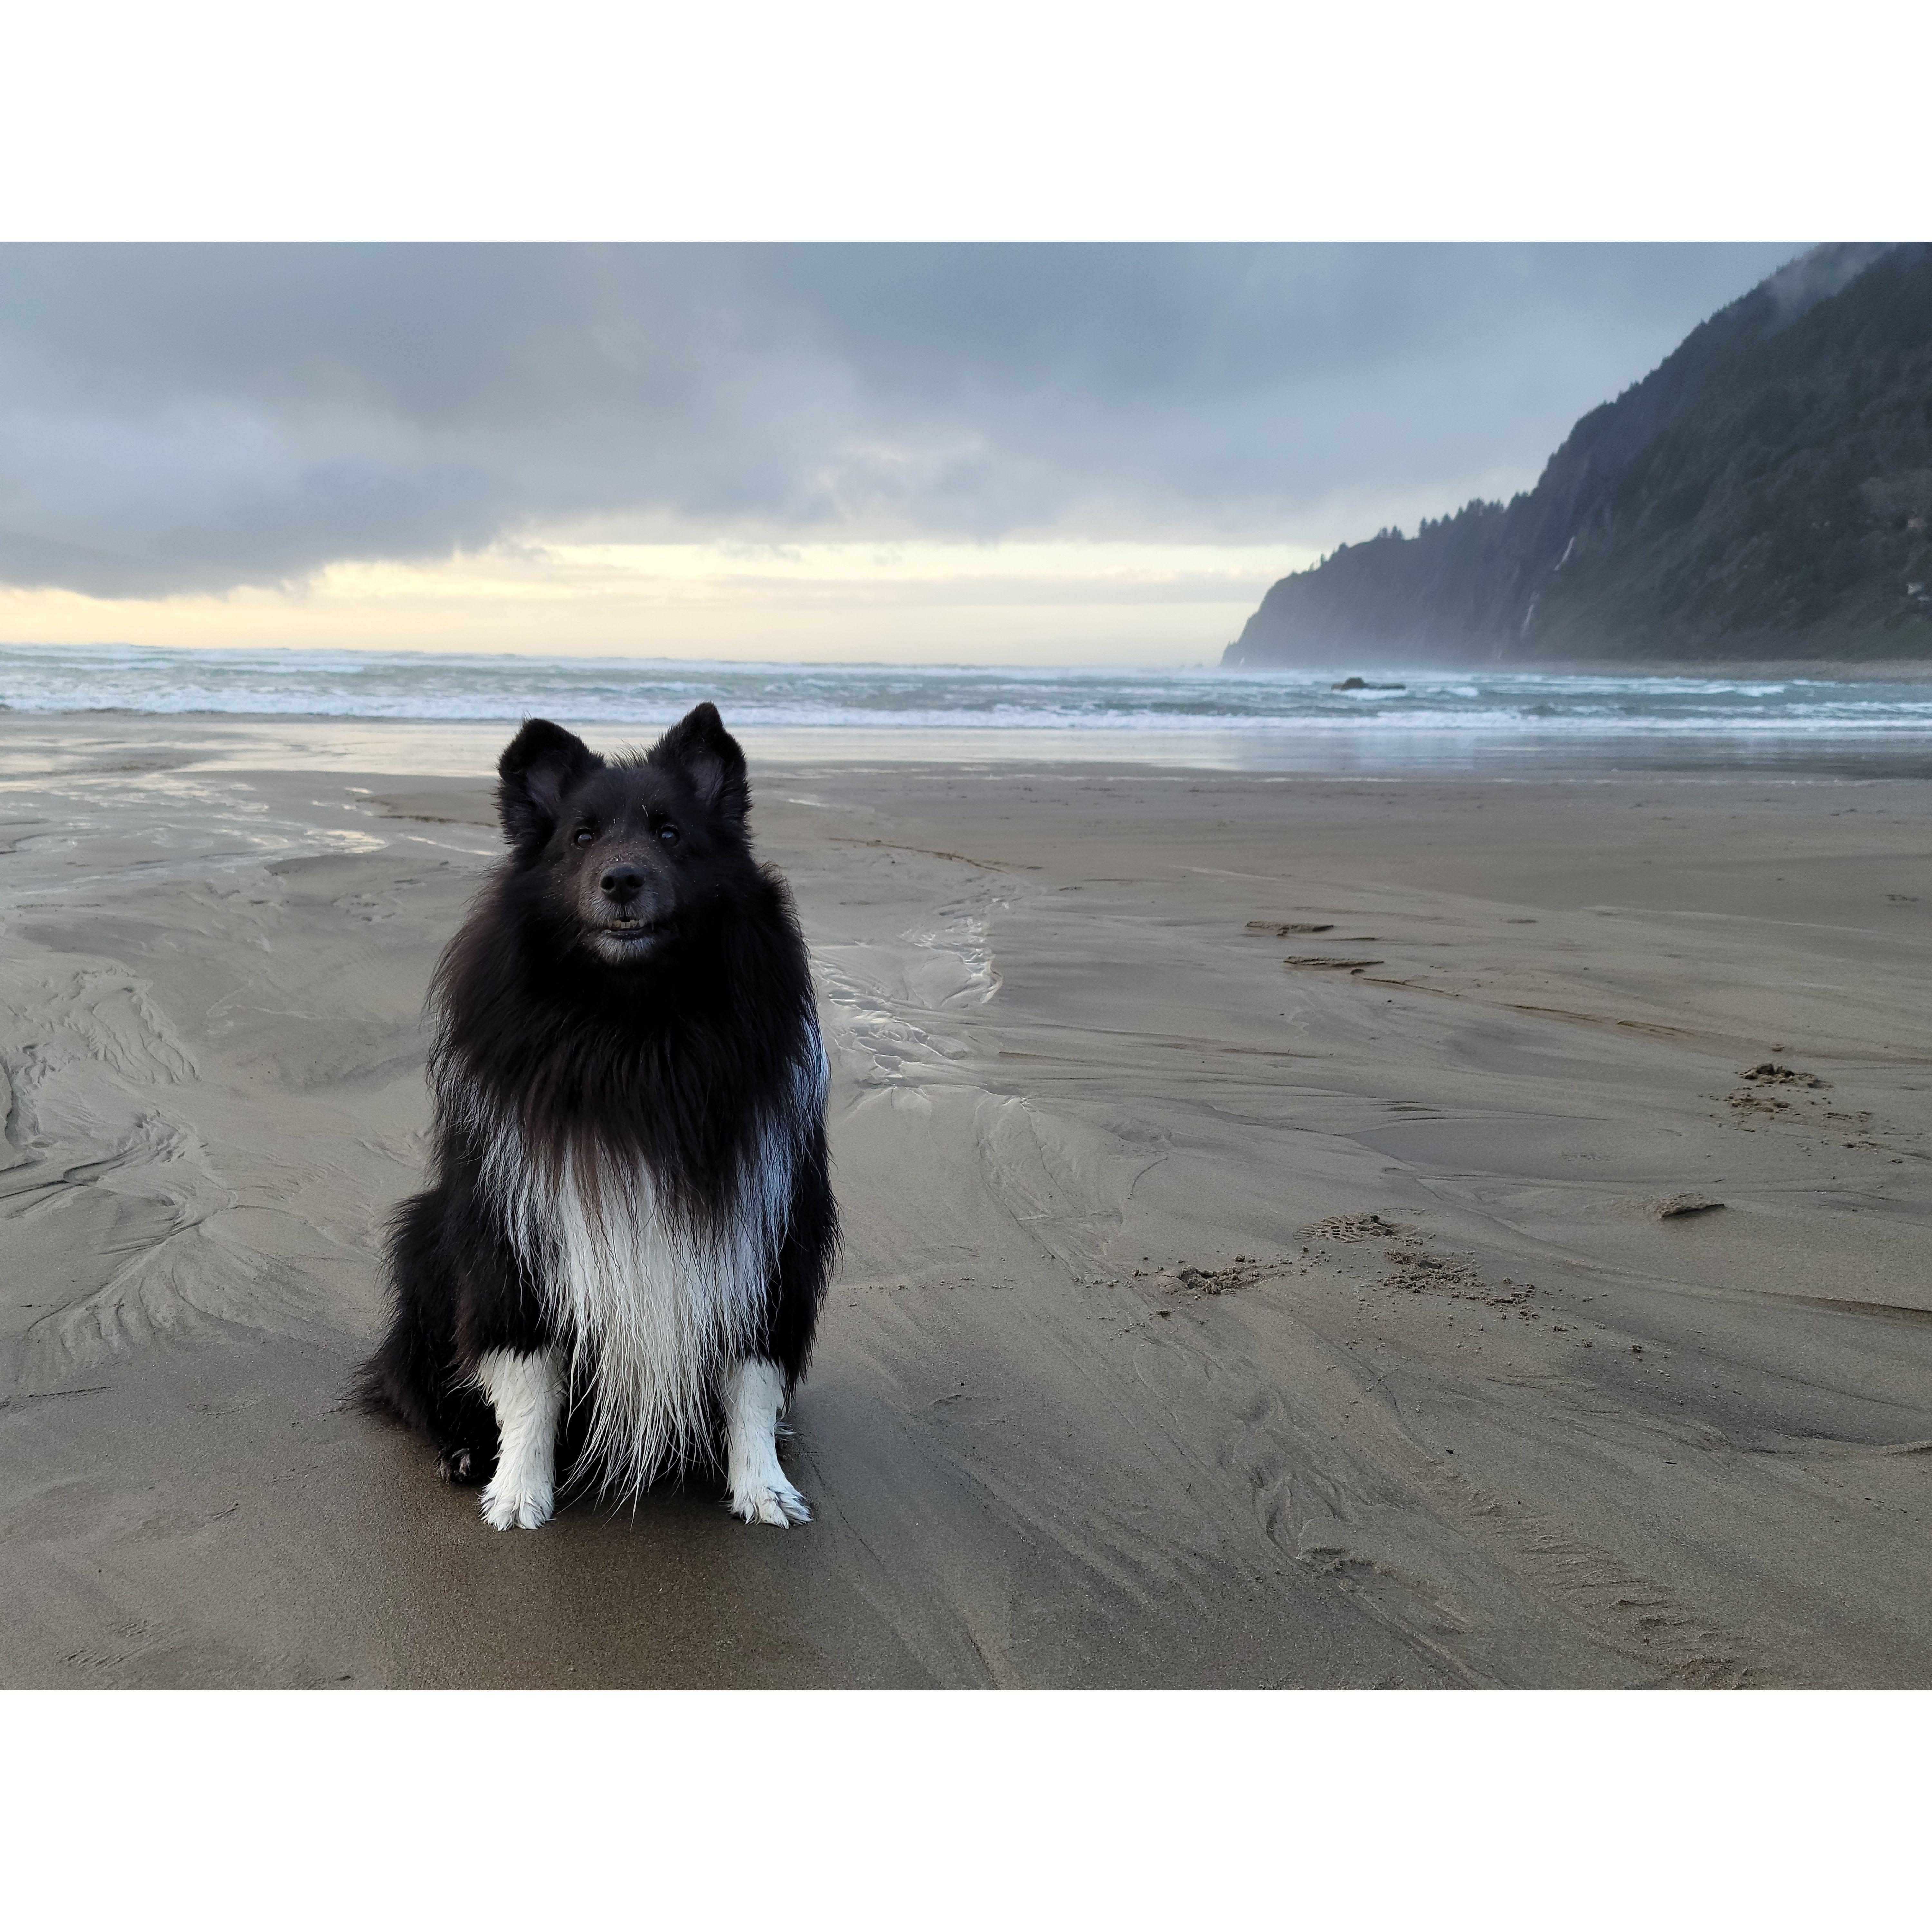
{"x": 653, "y": 1315}
{"x": 653, "y": 1312}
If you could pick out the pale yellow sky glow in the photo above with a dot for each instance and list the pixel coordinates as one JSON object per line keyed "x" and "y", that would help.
{"x": 1042, "y": 602}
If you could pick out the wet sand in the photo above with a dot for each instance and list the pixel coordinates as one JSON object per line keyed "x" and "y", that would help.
{"x": 1255, "y": 1273}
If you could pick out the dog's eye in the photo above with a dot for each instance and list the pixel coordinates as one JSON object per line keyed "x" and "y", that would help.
{"x": 668, "y": 834}
{"x": 583, "y": 835}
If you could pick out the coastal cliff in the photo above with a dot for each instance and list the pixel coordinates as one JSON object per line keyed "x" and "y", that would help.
{"x": 1765, "y": 492}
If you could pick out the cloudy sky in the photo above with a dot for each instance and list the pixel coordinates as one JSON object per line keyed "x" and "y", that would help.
{"x": 1036, "y": 453}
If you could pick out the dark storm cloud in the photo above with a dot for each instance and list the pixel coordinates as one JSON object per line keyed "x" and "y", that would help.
{"x": 195, "y": 418}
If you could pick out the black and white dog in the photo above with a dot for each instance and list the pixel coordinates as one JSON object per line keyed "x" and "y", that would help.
{"x": 630, "y": 1222}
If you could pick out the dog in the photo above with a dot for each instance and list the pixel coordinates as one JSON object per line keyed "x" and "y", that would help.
{"x": 629, "y": 1225}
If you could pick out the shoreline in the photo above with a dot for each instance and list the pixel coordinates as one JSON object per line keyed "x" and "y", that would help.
{"x": 235, "y": 742}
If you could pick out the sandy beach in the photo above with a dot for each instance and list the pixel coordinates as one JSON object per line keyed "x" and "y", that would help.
{"x": 1280, "y": 1250}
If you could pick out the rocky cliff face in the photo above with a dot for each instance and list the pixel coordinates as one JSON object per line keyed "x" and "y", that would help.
{"x": 1765, "y": 492}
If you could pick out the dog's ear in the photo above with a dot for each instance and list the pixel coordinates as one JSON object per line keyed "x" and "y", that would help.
{"x": 540, "y": 764}
{"x": 699, "y": 746}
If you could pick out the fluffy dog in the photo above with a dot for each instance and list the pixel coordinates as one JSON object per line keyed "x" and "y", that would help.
{"x": 629, "y": 1224}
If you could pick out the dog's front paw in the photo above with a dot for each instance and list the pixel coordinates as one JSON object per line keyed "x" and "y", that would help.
{"x": 772, "y": 1500}
{"x": 508, "y": 1506}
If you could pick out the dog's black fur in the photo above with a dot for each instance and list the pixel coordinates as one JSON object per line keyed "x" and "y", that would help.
{"x": 631, "y": 982}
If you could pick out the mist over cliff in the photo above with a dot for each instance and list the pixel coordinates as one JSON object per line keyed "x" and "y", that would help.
{"x": 1765, "y": 492}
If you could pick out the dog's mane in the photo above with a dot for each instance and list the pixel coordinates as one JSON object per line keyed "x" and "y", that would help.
{"x": 676, "y": 1066}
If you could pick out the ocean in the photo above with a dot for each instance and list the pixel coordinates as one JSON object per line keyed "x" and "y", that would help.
{"x": 1387, "y": 720}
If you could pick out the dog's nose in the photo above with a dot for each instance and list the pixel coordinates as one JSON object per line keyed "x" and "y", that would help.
{"x": 623, "y": 882}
